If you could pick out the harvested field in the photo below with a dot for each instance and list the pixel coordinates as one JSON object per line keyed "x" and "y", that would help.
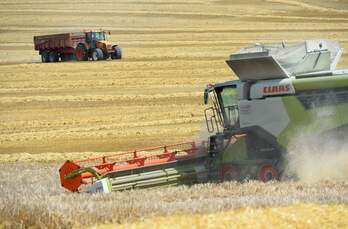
{"x": 172, "y": 49}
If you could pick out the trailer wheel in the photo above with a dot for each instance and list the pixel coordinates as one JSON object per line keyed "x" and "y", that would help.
{"x": 97, "y": 54}
{"x": 53, "y": 56}
{"x": 67, "y": 57}
{"x": 44, "y": 57}
{"x": 81, "y": 53}
{"x": 117, "y": 53}
{"x": 267, "y": 172}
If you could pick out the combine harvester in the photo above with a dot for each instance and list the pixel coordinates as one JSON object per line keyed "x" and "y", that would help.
{"x": 283, "y": 90}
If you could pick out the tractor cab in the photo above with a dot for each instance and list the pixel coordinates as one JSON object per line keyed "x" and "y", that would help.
{"x": 223, "y": 111}
{"x": 93, "y": 38}
{"x": 100, "y": 48}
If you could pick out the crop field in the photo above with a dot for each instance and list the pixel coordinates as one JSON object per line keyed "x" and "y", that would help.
{"x": 31, "y": 195}
{"x": 171, "y": 50}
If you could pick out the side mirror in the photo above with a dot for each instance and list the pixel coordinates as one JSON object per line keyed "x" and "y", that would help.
{"x": 206, "y": 96}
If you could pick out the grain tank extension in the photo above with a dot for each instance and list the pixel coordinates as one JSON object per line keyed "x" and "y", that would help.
{"x": 80, "y": 46}
{"x": 283, "y": 90}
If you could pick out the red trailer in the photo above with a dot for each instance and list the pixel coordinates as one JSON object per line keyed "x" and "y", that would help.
{"x": 80, "y": 46}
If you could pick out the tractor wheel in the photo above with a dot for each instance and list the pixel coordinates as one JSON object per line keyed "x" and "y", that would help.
{"x": 230, "y": 173}
{"x": 97, "y": 54}
{"x": 117, "y": 54}
{"x": 81, "y": 53}
{"x": 53, "y": 56}
{"x": 267, "y": 173}
{"x": 106, "y": 55}
{"x": 44, "y": 57}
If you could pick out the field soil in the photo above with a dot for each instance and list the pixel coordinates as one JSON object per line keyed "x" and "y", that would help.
{"x": 154, "y": 95}
{"x": 171, "y": 50}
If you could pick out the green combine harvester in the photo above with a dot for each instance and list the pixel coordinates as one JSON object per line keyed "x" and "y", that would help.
{"x": 283, "y": 91}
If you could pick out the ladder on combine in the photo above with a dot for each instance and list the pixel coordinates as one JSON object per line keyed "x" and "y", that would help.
{"x": 128, "y": 168}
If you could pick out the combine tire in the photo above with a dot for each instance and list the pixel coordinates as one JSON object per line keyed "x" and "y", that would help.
{"x": 44, "y": 57}
{"x": 97, "y": 54}
{"x": 117, "y": 54}
{"x": 267, "y": 173}
{"x": 230, "y": 173}
{"x": 53, "y": 56}
{"x": 81, "y": 53}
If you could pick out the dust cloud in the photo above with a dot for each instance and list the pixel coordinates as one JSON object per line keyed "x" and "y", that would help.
{"x": 202, "y": 138}
{"x": 203, "y": 134}
{"x": 319, "y": 157}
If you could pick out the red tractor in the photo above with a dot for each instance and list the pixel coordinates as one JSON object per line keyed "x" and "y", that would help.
{"x": 80, "y": 46}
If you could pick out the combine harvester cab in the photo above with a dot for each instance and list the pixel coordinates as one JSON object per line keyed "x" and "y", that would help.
{"x": 283, "y": 90}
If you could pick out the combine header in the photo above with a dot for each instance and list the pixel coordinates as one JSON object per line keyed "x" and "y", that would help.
{"x": 283, "y": 90}
{"x": 150, "y": 167}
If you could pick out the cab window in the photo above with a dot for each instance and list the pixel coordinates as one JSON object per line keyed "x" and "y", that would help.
{"x": 228, "y": 100}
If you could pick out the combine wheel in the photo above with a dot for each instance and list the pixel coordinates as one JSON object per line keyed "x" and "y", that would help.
{"x": 81, "y": 53}
{"x": 53, "y": 56}
{"x": 267, "y": 172}
{"x": 97, "y": 54}
{"x": 117, "y": 53}
{"x": 230, "y": 173}
{"x": 44, "y": 57}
